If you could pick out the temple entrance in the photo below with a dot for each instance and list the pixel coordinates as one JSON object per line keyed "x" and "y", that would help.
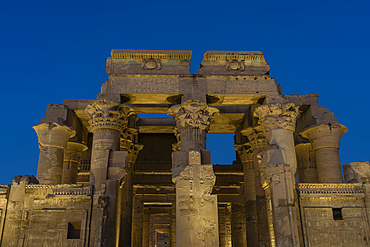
{"x": 159, "y": 230}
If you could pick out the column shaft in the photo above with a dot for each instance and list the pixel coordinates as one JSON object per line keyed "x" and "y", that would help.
{"x": 53, "y": 139}
{"x": 238, "y": 225}
{"x": 192, "y": 172}
{"x": 104, "y": 141}
{"x": 278, "y": 166}
{"x": 329, "y": 169}
{"x": 108, "y": 165}
{"x": 71, "y": 159}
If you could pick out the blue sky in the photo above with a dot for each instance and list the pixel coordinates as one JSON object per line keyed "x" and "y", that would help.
{"x": 56, "y": 50}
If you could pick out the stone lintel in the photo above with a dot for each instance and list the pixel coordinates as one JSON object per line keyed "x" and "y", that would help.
{"x": 234, "y": 63}
{"x": 148, "y": 62}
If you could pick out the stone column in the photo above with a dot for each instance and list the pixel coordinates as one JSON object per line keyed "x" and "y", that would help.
{"x": 125, "y": 202}
{"x": 108, "y": 120}
{"x": 278, "y": 167}
{"x": 138, "y": 225}
{"x": 306, "y": 163}
{"x": 257, "y": 143}
{"x": 192, "y": 172}
{"x": 173, "y": 225}
{"x": 71, "y": 159}
{"x": 108, "y": 165}
{"x": 325, "y": 140}
{"x": 246, "y": 157}
{"x": 238, "y": 225}
{"x": 53, "y": 139}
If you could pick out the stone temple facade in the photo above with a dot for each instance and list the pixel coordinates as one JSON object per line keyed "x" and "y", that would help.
{"x": 107, "y": 177}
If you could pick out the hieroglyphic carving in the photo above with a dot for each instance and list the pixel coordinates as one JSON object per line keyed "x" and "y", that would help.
{"x": 193, "y": 189}
{"x": 105, "y": 114}
{"x": 193, "y": 114}
{"x": 277, "y": 115}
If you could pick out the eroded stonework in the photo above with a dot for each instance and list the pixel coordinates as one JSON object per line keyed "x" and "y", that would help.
{"x": 109, "y": 175}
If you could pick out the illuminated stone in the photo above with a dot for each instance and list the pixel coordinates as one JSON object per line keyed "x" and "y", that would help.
{"x": 108, "y": 176}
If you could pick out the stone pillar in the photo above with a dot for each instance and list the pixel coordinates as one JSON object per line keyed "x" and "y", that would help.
{"x": 173, "y": 225}
{"x": 71, "y": 159}
{"x": 257, "y": 143}
{"x": 278, "y": 167}
{"x": 238, "y": 225}
{"x": 250, "y": 216}
{"x": 138, "y": 222}
{"x": 108, "y": 164}
{"x": 192, "y": 172}
{"x": 108, "y": 120}
{"x": 53, "y": 139}
{"x": 125, "y": 202}
{"x": 325, "y": 140}
{"x": 306, "y": 163}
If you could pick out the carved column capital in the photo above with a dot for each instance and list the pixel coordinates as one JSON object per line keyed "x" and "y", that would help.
{"x": 128, "y": 137}
{"x": 105, "y": 114}
{"x": 127, "y": 143}
{"x": 256, "y": 136}
{"x": 193, "y": 114}
{"x": 133, "y": 152}
{"x": 245, "y": 153}
{"x": 53, "y": 135}
{"x": 277, "y": 116}
{"x": 177, "y": 145}
{"x": 74, "y": 151}
{"x": 324, "y": 135}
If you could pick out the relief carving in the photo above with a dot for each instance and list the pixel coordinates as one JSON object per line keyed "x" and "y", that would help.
{"x": 193, "y": 114}
{"x": 235, "y": 64}
{"x": 277, "y": 115}
{"x": 105, "y": 114}
{"x": 256, "y": 136}
{"x": 245, "y": 153}
{"x": 151, "y": 63}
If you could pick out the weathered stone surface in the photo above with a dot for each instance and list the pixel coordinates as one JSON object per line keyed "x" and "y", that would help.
{"x": 325, "y": 141}
{"x": 149, "y": 181}
{"x": 53, "y": 139}
{"x": 357, "y": 172}
{"x": 196, "y": 208}
{"x": 233, "y": 63}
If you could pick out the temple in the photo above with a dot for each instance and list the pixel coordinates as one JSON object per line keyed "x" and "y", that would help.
{"x": 109, "y": 175}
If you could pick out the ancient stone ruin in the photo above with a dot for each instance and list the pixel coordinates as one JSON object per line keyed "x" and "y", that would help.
{"x": 110, "y": 177}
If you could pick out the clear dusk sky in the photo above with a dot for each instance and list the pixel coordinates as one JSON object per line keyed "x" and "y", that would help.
{"x": 56, "y": 50}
